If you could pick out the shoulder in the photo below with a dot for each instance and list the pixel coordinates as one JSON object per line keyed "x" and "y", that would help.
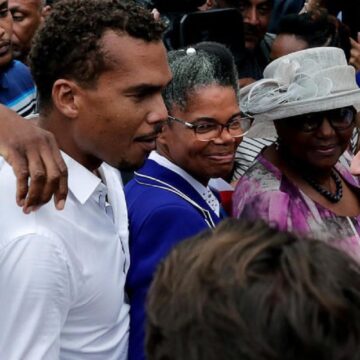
{"x": 262, "y": 176}
{"x": 259, "y": 189}
{"x": 147, "y": 197}
{"x": 37, "y": 261}
{"x": 20, "y": 70}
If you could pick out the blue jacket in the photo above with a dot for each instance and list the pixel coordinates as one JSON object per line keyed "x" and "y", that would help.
{"x": 163, "y": 210}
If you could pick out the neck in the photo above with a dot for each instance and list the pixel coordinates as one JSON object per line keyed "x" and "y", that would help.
{"x": 61, "y": 128}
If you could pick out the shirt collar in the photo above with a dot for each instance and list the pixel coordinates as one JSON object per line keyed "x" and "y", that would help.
{"x": 82, "y": 182}
{"x": 204, "y": 191}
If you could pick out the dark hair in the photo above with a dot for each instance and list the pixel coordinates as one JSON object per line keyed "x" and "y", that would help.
{"x": 317, "y": 28}
{"x": 248, "y": 292}
{"x": 69, "y": 44}
{"x": 212, "y": 63}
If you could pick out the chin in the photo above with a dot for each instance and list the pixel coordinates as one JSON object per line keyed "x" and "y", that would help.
{"x": 127, "y": 165}
{"x": 250, "y": 44}
{"x": 224, "y": 173}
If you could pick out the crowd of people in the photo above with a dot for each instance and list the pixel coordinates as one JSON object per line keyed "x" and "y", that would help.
{"x": 236, "y": 234}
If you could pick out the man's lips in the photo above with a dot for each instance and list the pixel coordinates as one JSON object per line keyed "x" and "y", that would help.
{"x": 4, "y": 47}
{"x": 146, "y": 138}
{"x": 147, "y": 141}
{"x": 251, "y": 32}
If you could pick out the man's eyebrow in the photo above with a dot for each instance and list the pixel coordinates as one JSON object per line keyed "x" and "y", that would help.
{"x": 144, "y": 88}
{"x": 265, "y": 3}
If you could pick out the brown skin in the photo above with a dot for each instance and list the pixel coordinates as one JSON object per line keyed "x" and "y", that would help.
{"x": 317, "y": 152}
{"x": 33, "y": 153}
{"x": 202, "y": 160}
{"x": 6, "y": 28}
{"x": 27, "y": 16}
{"x": 285, "y": 44}
{"x": 111, "y": 121}
{"x": 256, "y": 15}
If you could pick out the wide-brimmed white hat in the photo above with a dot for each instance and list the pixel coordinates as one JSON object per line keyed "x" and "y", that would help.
{"x": 306, "y": 81}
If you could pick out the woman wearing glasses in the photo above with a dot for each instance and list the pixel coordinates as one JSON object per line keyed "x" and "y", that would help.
{"x": 169, "y": 198}
{"x": 302, "y": 183}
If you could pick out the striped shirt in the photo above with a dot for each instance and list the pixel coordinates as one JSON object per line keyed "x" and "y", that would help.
{"x": 17, "y": 89}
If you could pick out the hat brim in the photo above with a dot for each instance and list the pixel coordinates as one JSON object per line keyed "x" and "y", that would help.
{"x": 263, "y": 123}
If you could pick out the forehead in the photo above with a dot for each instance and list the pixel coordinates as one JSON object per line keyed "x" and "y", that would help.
{"x": 256, "y": 2}
{"x": 212, "y": 101}
{"x": 135, "y": 59}
{"x": 25, "y": 3}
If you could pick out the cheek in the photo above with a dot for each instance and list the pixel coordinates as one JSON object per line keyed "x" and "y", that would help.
{"x": 264, "y": 23}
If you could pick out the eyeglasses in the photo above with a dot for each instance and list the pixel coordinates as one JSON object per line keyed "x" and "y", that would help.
{"x": 206, "y": 130}
{"x": 339, "y": 119}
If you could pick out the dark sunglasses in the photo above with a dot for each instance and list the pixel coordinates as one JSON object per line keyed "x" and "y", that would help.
{"x": 339, "y": 119}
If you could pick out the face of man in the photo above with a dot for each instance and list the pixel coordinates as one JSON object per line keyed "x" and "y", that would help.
{"x": 118, "y": 117}
{"x": 256, "y": 15}
{"x": 202, "y": 159}
{"x": 5, "y": 34}
{"x": 27, "y": 18}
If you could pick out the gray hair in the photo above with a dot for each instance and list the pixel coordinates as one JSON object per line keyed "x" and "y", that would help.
{"x": 205, "y": 64}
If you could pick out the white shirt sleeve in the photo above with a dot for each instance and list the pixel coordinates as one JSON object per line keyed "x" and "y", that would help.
{"x": 36, "y": 291}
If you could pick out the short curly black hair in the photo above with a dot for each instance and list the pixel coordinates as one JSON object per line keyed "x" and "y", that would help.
{"x": 68, "y": 44}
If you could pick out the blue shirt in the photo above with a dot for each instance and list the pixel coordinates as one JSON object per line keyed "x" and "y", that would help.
{"x": 17, "y": 89}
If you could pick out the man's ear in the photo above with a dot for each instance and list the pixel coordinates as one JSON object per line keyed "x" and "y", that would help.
{"x": 65, "y": 96}
{"x": 45, "y": 12}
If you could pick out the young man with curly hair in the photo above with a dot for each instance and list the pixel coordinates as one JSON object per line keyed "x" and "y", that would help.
{"x": 100, "y": 67}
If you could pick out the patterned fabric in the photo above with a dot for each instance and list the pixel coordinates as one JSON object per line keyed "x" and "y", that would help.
{"x": 17, "y": 89}
{"x": 265, "y": 193}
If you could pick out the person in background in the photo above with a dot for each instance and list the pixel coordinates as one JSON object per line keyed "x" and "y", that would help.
{"x": 17, "y": 89}
{"x": 27, "y": 16}
{"x": 349, "y": 11}
{"x": 64, "y": 272}
{"x": 307, "y": 30}
{"x": 169, "y": 198}
{"x": 246, "y": 291}
{"x": 302, "y": 183}
{"x": 296, "y": 32}
{"x": 256, "y": 15}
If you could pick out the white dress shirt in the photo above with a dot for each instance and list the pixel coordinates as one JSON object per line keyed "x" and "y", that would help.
{"x": 62, "y": 273}
{"x": 204, "y": 191}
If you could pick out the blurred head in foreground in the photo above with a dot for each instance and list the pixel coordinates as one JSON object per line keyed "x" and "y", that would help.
{"x": 247, "y": 292}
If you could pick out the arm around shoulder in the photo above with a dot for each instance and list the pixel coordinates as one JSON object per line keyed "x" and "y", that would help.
{"x": 33, "y": 153}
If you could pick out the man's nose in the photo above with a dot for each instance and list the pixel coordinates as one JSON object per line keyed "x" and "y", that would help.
{"x": 159, "y": 112}
{"x": 251, "y": 15}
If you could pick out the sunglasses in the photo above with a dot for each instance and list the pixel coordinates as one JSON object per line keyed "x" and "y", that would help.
{"x": 339, "y": 119}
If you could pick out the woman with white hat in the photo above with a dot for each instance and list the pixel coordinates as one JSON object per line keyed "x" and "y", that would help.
{"x": 302, "y": 183}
